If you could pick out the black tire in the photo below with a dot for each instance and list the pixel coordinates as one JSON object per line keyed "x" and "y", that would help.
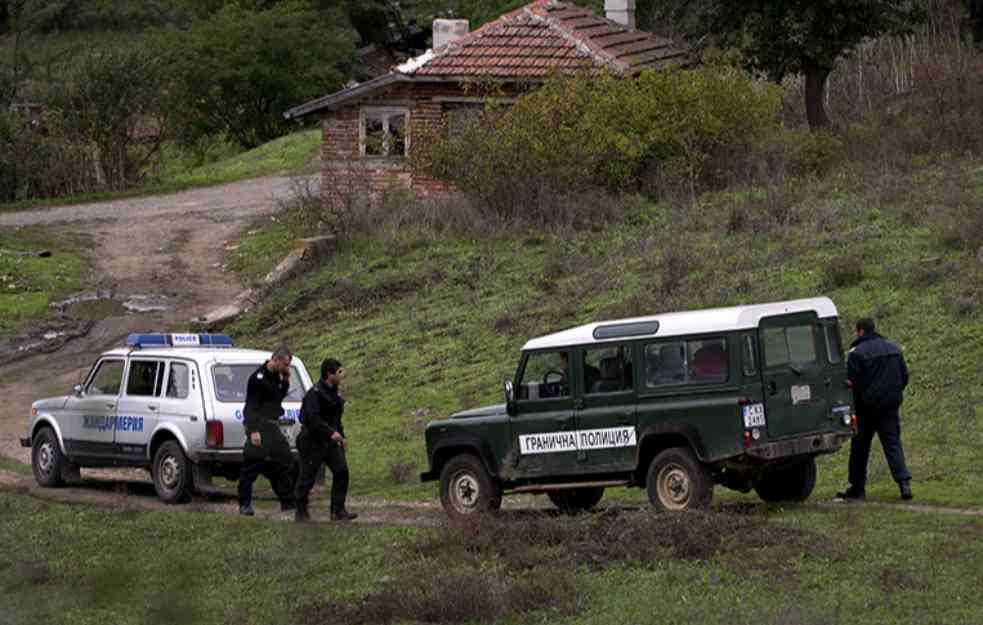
{"x": 576, "y": 500}
{"x": 47, "y": 461}
{"x": 676, "y": 480}
{"x": 790, "y": 483}
{"x": 171, "y": 473}
{"x": 466, "y": 488}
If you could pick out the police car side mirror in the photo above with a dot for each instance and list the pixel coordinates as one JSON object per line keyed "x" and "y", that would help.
{"x": 510, "y": 398}
{"x": 78, "y": 391}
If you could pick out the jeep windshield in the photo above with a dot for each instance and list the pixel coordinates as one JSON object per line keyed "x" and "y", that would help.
{"x": 230, "y": 383}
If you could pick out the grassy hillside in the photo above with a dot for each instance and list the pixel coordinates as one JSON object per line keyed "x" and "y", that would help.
{"x": 80, "y": 565}
{"x": 428, "y": 324}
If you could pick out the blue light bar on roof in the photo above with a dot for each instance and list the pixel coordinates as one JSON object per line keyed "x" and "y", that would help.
{"x": 179, "y": 340}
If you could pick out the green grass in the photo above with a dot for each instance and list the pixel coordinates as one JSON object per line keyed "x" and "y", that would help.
{"x": 79, "y": 565}
{"x": 429, "y": 324}
{"x": 180, "y": 171}
{"x": 28, "y": 283}
{"x": 9, "y": 464}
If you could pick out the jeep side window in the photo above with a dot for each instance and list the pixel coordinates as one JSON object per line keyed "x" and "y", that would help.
{"x": 607, "y": 370}
{"x": 686, "y": 362}
{"x": 665, "y": 363}
{"x": 707, "y": 360}
{"x": 545, "y": 376}
{"x": 142, "y": 381}
{"x": 177, "y": 381}
{"x": 108, "y": 378}
{"x": 795, "y": 344}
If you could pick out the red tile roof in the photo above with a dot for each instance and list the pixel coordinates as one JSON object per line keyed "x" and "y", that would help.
{"x": 531, "y": 43}
{"x": 544, "y": 37}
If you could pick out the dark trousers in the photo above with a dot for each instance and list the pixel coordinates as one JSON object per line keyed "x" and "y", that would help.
{"x": 280, "y": 475}
{"x": 887, "y": 426}
{"x": 312, "y": 455}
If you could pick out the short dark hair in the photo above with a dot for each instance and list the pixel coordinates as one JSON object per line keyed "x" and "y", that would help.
{"x": 866, "y": 324}
{"x": 330, "y": 365}
{"x": 283, "y": 352}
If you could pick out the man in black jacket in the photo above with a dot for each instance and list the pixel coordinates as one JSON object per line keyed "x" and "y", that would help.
{"x": 322, "y": 440}
{"x": 878, "y": 373}
{"x": 267, "y": 450}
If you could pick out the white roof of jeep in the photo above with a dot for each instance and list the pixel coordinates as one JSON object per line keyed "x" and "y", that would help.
{"x": 693, "y": 322}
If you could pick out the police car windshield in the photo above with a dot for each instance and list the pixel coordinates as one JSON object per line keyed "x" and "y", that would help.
{"x": 230, "y": 383}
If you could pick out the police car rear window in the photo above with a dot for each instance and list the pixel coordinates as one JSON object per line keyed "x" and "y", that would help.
{"x": 231, "y": 380}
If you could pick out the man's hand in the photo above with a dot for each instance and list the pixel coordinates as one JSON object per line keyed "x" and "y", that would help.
{"x": 286, "y": 373}
{"x": 256, "y": 439}
{"x": 337, "y": 438}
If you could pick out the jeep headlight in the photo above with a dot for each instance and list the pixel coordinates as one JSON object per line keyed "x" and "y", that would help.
{"x": 756, "y": 434}
{"x": 846, "y": 418}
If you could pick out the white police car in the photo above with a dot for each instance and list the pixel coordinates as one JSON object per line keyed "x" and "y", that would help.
{"x": 170, "y": 403}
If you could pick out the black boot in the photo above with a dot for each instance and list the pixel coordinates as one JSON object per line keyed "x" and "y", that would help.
{"x": 851, "y": 493}
{"x": 302, "y": 515}
{"x": 343, "y": 515}
{"x": 905, "y": 487}
{"x": 246, "y": 510}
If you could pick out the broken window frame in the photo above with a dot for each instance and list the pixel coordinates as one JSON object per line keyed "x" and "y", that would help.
{"x": 385, "y": 114}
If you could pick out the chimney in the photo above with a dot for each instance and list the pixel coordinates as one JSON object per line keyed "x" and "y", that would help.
{"x": 449, "y": 31}
{"x": 621, "y": 11}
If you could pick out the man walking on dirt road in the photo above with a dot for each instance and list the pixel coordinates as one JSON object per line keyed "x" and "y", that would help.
{"x": 267, "y": 450}
{"x": 322, "y": 440}
{"x": 877, "y": 371}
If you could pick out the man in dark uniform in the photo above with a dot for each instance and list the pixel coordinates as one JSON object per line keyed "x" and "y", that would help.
{"x": 267, "y": 451}
{"x": 322, "y": 440}
{"x": 878, "y": 373}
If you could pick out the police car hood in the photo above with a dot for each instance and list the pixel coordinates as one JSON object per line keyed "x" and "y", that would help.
{"x": 487, "y": 411}
{"x": 51, "y": 403}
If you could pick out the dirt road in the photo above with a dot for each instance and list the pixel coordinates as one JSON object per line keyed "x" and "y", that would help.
{"x": 164, "y": 253}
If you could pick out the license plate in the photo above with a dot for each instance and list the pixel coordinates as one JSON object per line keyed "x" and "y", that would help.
{"x": 801, "y": 394}
{"x": 754, "y": 416}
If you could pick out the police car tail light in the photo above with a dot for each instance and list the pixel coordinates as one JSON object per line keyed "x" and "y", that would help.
{"x": 216, "y": 433}
{"x": 34, "y": 411}
{"x": 853, "y": 422}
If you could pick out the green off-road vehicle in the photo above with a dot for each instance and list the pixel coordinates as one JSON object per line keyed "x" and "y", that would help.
{"x": 744, "y": 397}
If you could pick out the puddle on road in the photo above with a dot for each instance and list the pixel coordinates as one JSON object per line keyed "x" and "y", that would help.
{"x": 94, "y": 310}
{"x": 73, "y": 317}
{"x": 98, "y": 305}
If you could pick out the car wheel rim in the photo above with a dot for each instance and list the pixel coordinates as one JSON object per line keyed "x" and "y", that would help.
{"x": 464, "y": 492}
{"x": 170, "y": 472}
{"x": 674, "y": 487}
{"x": 46, "y": 457}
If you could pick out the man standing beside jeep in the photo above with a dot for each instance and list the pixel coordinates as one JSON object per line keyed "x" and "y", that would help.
{"x": 266, "y": 450}
{"x": 877, "y": 371}
{"x": 322, "y": 440}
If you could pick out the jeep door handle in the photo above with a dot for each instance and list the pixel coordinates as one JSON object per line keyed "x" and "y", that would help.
{"x": 772, "y": 388}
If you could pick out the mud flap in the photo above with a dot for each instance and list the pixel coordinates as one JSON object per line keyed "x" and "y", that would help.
{"x": 201, "y": 478}
{"x": 70, "y": 472}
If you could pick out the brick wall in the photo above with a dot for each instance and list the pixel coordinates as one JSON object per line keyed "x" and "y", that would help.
{"x": 348, "y": 180}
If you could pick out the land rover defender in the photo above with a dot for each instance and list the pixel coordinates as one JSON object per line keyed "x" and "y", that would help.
{"x": 742, "y": 397}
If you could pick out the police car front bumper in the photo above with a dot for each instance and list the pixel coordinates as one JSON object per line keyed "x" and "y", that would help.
{"x": 804, "y": 445}
{"x": 25, "y": 442}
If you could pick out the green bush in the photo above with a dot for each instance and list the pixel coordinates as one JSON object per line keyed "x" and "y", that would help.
{"x": 583, "y": 132}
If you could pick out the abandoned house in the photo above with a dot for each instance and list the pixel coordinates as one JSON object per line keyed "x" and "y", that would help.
{"x": 369, "y": 128}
